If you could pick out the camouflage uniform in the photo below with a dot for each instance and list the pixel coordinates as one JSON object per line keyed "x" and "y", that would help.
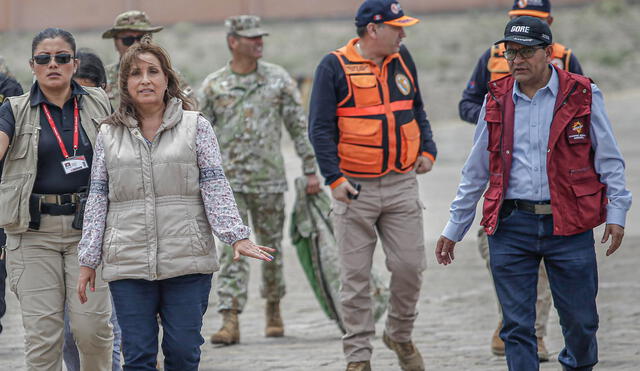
{"x": 248, "y": 112}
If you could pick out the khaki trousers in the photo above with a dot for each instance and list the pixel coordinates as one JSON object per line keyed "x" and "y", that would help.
{"x": 43, "y": 272}
{"x": 388, "y": 207}
{"x": 543, "y": 302}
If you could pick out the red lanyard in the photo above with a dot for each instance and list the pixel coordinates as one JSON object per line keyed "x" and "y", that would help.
{"x": 55, "y": 129}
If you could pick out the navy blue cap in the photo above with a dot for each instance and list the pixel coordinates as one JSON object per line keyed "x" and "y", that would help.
{"x": 534, "y": 8}
{"x": 383, "y": 11}
{"x": 527, "y": 31}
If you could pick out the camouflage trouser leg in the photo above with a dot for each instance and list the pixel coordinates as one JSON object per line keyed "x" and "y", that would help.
{"x": 543, "y": 303}
{"x": 233, "y": 277}
{"x": 267, "y": 220}
{"x": 267, "y": 217}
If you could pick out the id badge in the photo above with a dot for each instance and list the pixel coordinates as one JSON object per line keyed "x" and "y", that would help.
{"x": 73, "y": 164}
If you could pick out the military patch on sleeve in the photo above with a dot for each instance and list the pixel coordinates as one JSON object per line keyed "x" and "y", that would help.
{"x": 403, "y": 84}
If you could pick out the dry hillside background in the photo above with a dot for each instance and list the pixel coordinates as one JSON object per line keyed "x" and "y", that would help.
{"x": 605, "y": 36}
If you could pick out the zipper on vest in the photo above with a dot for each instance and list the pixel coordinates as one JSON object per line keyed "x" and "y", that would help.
{"x": 505, "y": 182}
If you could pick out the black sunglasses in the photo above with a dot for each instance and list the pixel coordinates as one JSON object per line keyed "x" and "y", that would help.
{"x": 129, "y": 40}
{"x": 63, "y": 58}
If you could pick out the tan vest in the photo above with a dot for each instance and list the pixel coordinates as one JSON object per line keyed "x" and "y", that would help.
{"x": 21, "y": 160}
{"x": 156, "y": 224}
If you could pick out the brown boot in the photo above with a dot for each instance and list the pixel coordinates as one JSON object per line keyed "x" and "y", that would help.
{"x": 409, "y": 356}
{"x": 497, "y": 345}
{"x": 229, "y": 333}
{"x": 543, "y": 353}
{"x": 275, "y": 327}
{"x": 359, "y": 366}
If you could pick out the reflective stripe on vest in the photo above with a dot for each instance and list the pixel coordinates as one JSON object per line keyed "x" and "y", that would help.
{"x": 499, "y": 67}
{"x": 378, "y": 132}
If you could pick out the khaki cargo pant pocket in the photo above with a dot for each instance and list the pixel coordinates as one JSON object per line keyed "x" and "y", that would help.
{"x": 15, "y": 262}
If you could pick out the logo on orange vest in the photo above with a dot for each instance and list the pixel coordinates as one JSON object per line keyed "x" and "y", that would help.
{"x": 403, "y": 84}
{"x": 577, "y": 131}
{"x": 395, "y": 8}
{"x": 357, "y": 68}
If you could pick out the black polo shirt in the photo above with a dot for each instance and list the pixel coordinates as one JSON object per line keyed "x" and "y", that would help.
{"x": 50, "y": 178}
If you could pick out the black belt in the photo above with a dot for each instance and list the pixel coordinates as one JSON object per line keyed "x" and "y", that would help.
{"x": 538, "y": 207}
{"x": 51, "y": 204}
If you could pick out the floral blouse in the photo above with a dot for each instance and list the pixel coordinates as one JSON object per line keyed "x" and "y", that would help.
{"x": 219, "y": 203}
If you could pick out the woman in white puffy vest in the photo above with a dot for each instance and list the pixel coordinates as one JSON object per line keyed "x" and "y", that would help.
{"x": 158, "y": 195}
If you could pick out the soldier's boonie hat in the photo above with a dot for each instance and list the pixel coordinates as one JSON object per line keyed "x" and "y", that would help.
{"x": 245, "y": 26}
{"x": 534, "y": 8}
{"x": 133, "y": 20}
{"x": 383, "y": 11}
{"x": 527, "y": 31}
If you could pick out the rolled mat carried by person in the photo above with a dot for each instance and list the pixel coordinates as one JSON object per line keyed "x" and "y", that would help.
{"x": 312, "y": 234}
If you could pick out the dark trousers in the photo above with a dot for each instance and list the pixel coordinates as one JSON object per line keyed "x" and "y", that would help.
{"x": 3, "y": 276}
{"x": 521, "y": 241}
{"x": 180, "y": 302}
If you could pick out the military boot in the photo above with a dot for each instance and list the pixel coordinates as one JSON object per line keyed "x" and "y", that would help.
{"x": 229, "y": 333}
{"x": 409, "y": 356}
{"x": 275, "y": 327}
{"x": 359, "y": 366}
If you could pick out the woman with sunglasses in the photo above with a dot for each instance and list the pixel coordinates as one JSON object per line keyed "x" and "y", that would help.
{"x": 46, "y": 140}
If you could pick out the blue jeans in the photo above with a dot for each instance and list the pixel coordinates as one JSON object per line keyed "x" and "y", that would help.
{"x": 520, "y": 242}
{"x": 181, "y": 303}
{"x": 70, "y": 350}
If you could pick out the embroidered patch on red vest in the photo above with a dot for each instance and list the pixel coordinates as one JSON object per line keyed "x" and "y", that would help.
{"x": 576, "y": 132}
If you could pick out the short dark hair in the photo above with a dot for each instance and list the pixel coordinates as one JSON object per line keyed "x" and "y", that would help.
{"x": 90, "y": 67}
{"x": 52, "y": 33}
{"x": 361, "y": 31}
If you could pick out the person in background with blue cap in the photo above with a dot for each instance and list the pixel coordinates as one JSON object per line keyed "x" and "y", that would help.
{"x": 491, "y": 66}
{"x": 545, "y": 146}
{"x": 368, "y": 127}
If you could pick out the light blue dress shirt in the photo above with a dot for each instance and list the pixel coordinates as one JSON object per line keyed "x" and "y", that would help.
{"x": 528, "y": 178}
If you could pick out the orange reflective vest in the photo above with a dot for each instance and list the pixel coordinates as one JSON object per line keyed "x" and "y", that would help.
{"x": 499, "y": 67}
{"x": 378, "y": 130}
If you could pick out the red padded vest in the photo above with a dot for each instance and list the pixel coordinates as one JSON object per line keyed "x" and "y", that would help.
{"x": 578, "y": 198}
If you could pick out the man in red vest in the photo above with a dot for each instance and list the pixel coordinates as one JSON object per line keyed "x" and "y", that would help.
{"x": 491, "y": 66}
{"x": 545, "y": 146}
{"x": 368, "y": 127}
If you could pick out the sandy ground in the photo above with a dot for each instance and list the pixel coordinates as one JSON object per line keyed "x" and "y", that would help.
{"x": 457, "y": 307}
